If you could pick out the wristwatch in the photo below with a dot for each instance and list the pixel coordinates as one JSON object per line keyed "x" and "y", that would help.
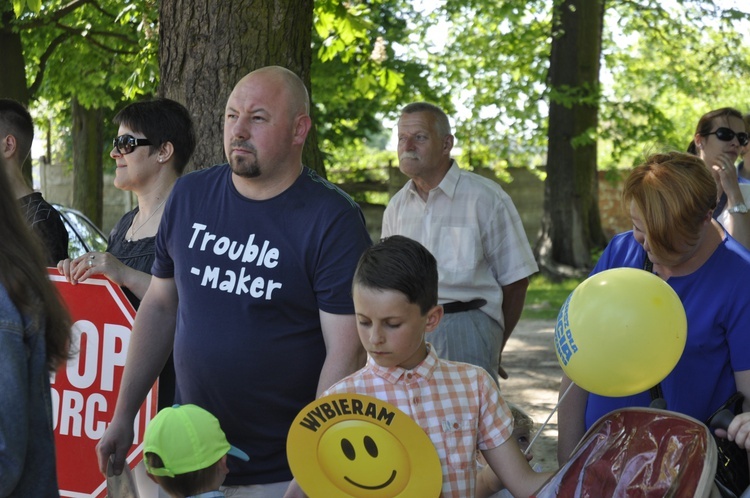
{"x": 739, "y": 208}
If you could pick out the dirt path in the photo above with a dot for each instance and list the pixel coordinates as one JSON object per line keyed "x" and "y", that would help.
{"x": 534, "y": 379}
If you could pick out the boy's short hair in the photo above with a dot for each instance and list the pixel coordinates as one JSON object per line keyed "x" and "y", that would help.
{"x": 15, "y": 120}
{"x": 401, "y": 264}
{"x": 180, "y": 443}
{"x": 186, "y": 484}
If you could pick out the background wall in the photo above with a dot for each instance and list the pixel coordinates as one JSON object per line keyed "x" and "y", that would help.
{"x": 525, "y": 188}
{"x": 527, "y": 192}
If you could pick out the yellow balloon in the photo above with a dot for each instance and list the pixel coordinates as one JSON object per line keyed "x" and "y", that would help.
{"x": 620, "y": 332}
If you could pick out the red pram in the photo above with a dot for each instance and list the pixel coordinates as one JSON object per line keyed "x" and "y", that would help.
{"x": 639, "y": 453}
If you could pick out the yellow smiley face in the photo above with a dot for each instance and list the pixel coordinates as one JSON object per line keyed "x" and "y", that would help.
{"x": 353, "y": 445}
{"x": 363, "y": 459}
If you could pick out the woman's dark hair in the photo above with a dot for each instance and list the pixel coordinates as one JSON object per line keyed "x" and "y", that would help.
{"x": 161, "y": 120}
{"x": 23, "y": 274}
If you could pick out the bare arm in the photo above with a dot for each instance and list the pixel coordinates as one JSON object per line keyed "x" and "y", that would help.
{"x": 571, "y": 419}
{"x": 151, "y": 341}
{"x": 103, "y": 263}
{"x": 344, "y": 351}
{"x": 509, "y": 464}
{"x": 514, "y": 295}
{"x": 737, "y": 224}
{"x": 487, "y": 483}
{"x": 344, "y": 355}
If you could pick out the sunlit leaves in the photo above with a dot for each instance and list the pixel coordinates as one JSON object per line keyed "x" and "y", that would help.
{"x": 101, "y": 53}
{"x": 361, "y": 73}
{"x": 20, "y": 5}
{"x": 663, "y": 65}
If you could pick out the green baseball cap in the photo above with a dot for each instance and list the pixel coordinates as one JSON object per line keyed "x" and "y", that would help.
{"x": 186, "y": 438}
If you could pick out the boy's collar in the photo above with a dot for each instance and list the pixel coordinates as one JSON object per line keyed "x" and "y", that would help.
{"x": 395, "y": 374}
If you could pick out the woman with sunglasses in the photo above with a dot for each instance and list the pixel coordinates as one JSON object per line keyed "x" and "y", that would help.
{"x": 154, "y": 144}
{"x": 718, "y": 139}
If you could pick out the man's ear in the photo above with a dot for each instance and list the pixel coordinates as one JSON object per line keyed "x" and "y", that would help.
{"x": 302, "y": 126}
{"x": 434, "y": 315}
{"x": 448, "y": 144}
{"x": 10, "y": 146}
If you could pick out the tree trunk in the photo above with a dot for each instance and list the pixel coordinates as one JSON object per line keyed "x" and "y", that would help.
{"x": 207, "y": 46}
{"x": 87, "y": 161}
{"x": 571, "y": 226}
{"x": 13, "y": 82}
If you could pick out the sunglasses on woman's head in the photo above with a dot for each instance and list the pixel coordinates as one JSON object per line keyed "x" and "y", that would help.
{"x": 726, "y": 135}
{"x": 126, "y": 143}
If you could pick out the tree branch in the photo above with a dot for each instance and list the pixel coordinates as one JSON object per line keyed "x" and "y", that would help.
{"x": 43, "y": 61}
{"x": 55, "y": 16}
{"x": 103, "y": 34}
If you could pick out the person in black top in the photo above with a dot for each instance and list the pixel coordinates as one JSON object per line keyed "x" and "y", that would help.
{"x": 17, "y": 133}
{"x": 154, "y": 144}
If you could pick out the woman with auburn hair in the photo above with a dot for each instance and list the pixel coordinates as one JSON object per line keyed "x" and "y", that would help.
{"x": 34, "y": 341}
{"x": 671, "y": 199}
{"x": 718, "y": 140}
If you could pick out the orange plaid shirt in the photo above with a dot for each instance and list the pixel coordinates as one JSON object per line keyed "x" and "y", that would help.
{"x": 457, "y": 405}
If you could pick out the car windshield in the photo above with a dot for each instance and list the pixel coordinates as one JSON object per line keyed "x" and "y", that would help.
{"x": 83, "y": 235}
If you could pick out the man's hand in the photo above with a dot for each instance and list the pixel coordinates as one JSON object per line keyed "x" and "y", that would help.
{"x": 116, "y": 441}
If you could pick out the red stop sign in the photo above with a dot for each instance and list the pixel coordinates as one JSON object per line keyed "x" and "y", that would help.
{"x": 84, "y": 390}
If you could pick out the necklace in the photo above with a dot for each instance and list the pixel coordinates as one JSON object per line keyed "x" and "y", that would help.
{"x": 134, "y": 231}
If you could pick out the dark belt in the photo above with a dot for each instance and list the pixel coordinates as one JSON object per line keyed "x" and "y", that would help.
{"x": 459, "y": 306}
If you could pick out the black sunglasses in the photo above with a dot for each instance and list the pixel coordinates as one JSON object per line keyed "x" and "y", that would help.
{"x": 126, "y": 143}
{"x": 726, "y": 135}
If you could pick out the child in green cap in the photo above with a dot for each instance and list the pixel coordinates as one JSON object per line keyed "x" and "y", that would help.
{"x": 185, "y": 452}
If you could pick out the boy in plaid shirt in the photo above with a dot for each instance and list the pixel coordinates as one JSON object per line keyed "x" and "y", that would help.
{"x": 458, "y": 405}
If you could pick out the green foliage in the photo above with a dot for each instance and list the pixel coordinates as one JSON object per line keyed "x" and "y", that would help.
{"x": 496, "y": 66}
{"x": 100, "y": 53}
{"x": 362, "y": 164}
{"x": 360, "y": 74}
{"x": 19, "y": 6}
{"x": 663, "y": 65}
{"x": 97, "y": 52}
{"x": 485, "y": 62}
{"x": 662, "y": 75}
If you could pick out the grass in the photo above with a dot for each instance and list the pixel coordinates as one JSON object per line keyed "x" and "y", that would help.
{"x": 544, "y": 298}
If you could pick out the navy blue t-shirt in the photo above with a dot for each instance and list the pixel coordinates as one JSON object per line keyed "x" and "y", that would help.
{"x": 251, "y": 278}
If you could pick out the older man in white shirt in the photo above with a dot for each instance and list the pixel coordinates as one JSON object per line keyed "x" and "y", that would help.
{"x": 474, "y": 231}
